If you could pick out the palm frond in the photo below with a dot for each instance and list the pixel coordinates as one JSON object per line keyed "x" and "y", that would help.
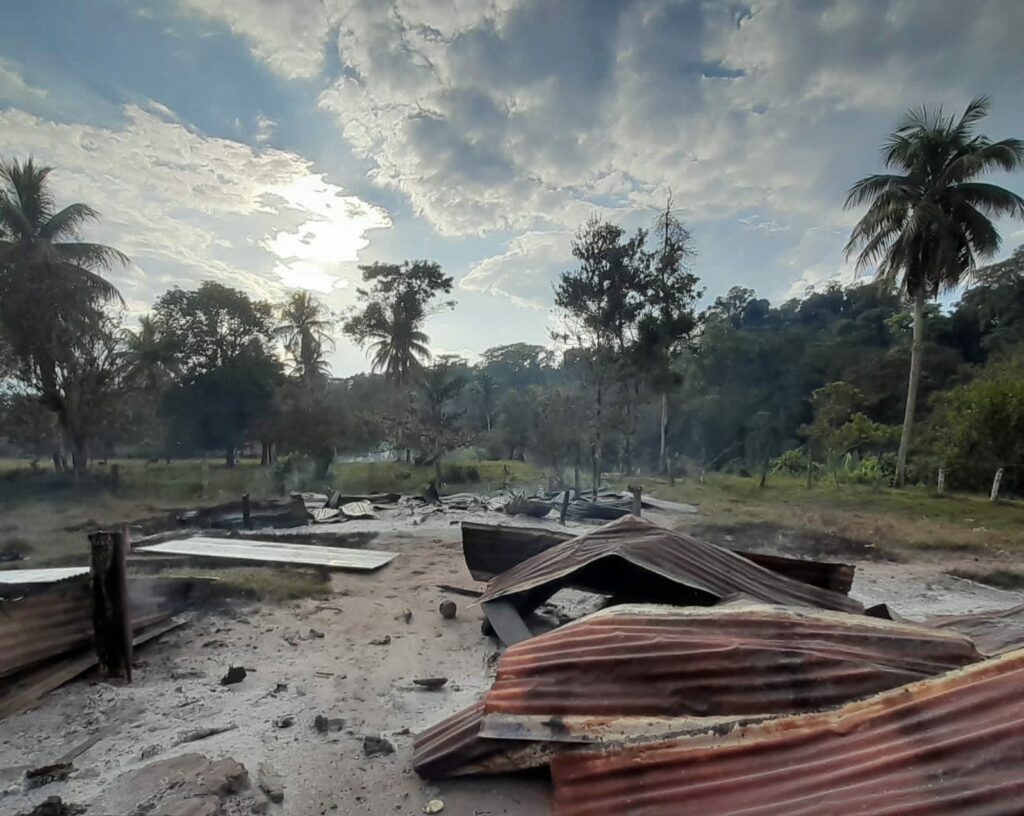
{"x": 871, "y": 187}
{"x": 976, "y": 110}
{"x": 94, "y": 256}
{"x": 991, "y": 199}
{"x": 66, "y": 223}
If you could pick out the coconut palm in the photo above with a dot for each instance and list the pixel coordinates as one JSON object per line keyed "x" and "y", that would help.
{"x": 930, "y": 220}
{"x": 305, "y": 329}
{"x": 397, "y": 345}
{"x": 149, "y": 364}
{"x": 37, "y": 240}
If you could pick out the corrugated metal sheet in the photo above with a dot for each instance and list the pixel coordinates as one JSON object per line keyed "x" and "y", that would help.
{"x": 631, "y": 557}
{"x": 491, "y": 549}
{"x": 995, "y": 632}
{"x": 632, "y": 670}
{"x": 41, "y": 576}
{"x": 274, "y": 552}
{"x": 949, "y": 745}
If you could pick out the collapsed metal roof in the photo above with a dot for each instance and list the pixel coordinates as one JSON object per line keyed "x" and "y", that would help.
{"x": 633, "y": 558}
{"x": 993, "y": 632}
{"x": 645, "y": 670}
{"x": 949, "y": 745}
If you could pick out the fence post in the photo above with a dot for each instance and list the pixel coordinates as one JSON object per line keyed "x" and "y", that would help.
{"x": 112, "y": 630}
{"x": 637, "y": 491}
{"x": 204, "y": 470}
{"x": 246, "y": 511}
{"x": 565, "y": 507}
{"x": 995, "y": 485}
{"x": 942, "y": 480}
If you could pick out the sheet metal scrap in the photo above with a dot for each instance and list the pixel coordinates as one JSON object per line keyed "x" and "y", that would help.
{"x": 648, "y": 670}
{"x": 993, "y": 632}
{"x": 634, "y": 559}
{"x": 274, "y": 552}
{"x": 953, "y": 744}
{"x": 491, "y": 549}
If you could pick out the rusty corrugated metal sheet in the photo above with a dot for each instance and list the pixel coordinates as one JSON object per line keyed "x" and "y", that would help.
{"x": 58, "y": 618}
{"x": 632, "y": 670}
{"x": 631, "y": 557}
{"x": 491, "y": 549}
{"x": 994, "y": 632}
{"x": 953, "y": 744}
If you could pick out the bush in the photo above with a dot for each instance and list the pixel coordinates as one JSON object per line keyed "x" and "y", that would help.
{"x": 792, "y": 462}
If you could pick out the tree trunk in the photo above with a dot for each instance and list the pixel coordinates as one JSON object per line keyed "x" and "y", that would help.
{"x": 79, "y": 456}
{"x": 916, "y": 348}
{"x": 437, "y": 471}
{"x": 264, "y": 454}
{"x": 663, "y": 449}
{"x": 229, "y": 457}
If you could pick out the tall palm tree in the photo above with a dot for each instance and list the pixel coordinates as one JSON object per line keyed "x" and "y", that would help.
{"x": 930, "y": 220}
{"x": 305, "y": 329}
{"x": 148, "y": 361}
{"x": 397, "y": 344}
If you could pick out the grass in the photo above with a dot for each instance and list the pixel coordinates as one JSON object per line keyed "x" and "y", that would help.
{"x": 47, "y": 519}
{"x": 262, "y": 583}
{"x": 1000, "y": 578}
{"x": 912, "y": 521}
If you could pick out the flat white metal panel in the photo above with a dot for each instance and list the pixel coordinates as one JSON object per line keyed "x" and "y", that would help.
{"x": 40, "y": 576}
{"x": 271, "y": 551}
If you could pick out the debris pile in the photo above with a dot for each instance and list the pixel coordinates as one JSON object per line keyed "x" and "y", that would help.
{"x": 724, "y": 682}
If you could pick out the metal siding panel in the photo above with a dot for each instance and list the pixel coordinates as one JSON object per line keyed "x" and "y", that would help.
{"x": 953, "y": 744}
{"x": 274, "y": 552}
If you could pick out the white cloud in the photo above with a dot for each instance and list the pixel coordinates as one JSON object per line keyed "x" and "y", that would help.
{"x": 196, "y": 207}
{"x": 288, "y": 34}
{"x": 524, "y": 272}
{"x": 13, "y": 87}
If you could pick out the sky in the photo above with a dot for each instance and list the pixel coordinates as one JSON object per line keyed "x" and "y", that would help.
{"x": 275, "y": 144}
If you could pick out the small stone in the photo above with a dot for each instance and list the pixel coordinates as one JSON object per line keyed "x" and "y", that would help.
{"x": 384, "y": 641}
{"x": 375, "y": 745}
{"x": 430, "y": 683}
{"x": 235, "y": 674}
{"x": 407, "y": 616}
{"x": 324, "y": 724}
{"x": 315, "y": 633}
{"x": 433, "y": 806}
{"x": 270, "y": 783}
{"x": 284, "y": 722}
{"x": 448, "y": 609}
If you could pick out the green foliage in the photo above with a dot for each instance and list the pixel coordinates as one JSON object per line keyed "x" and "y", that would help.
{"x": 979, "y": 427}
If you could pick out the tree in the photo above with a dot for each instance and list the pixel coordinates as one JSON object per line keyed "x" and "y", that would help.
{"x": 929, "y": 222}
{"x": 601, "y": 302}
{"x": 219, "y": 340}
{"x": 395, "y": 307}
{"x": 206, "y": 327}
{"x": 63, "y": 352}
{"x": 305, "y": 330}
{"x": 670, "y": 319}
{"x": 439, "y": 429}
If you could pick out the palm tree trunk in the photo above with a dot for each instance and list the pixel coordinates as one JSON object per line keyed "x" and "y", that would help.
{"x": 663, "y": 449}
{"x": 916, "y": 348}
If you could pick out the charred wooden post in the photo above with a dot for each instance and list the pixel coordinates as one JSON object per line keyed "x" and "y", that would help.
{"x": 565, "y": 507}
{"x": 637, "y": 492}
{"x": 246, "y": 511}
{"x": 110, "y": 619}
{"x": 115, "y": 478}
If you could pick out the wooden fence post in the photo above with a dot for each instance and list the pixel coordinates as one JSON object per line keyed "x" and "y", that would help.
{"x": 942, "y": 480}
{"x": 995, "y": 485}
{"x": 637, "y": 491}
{"x": 112, "y": 628}
{"x": 565, "y": 507}
{"x": 246, "y": 511}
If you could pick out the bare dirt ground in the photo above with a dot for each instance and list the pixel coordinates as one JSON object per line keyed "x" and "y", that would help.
{"x": 352, "y": 657}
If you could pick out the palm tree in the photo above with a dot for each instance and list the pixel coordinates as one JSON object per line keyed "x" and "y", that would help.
{"x": 306, "y": 332}
{"x": 397, "y": 344}
{"x": 50, "y": 287}
{"x": 929, "y": 221}
{"x": 148, "y": 363}
{"x": 38, "y": 240}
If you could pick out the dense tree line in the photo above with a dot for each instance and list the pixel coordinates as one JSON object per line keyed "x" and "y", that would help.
{"x": 636, "y": 378}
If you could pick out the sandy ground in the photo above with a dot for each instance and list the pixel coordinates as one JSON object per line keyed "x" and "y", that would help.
{"x": 293, "y": 672}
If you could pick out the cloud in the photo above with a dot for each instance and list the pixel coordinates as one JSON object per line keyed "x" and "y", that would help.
{"x": 187, "y": 207}
{"x": 524, "y": 272}
{"x": 288, "y": 34}
{"x": 498, "y": 116}
{"x": 13, "y": 87}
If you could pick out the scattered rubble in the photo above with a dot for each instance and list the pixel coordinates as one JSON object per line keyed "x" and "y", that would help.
{"x": 324, "y": 725}
{"x": 376, "y": 745}
{"x": 37, "y": 777}
{"x": 270, "y": 783}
